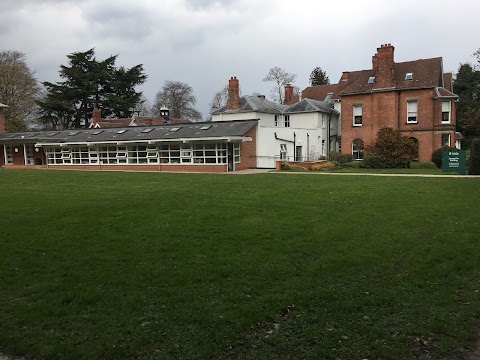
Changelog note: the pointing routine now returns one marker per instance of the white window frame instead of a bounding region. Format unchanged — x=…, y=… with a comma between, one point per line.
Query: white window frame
x=286, y=121
x=446, y=109
x=411, y=113
x=357, y=113
x=357, y=154
x=276, y=120
x=283, y=151
x=449, y=139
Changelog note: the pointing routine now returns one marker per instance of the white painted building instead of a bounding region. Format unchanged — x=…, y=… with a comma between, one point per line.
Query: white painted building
x=304, y=131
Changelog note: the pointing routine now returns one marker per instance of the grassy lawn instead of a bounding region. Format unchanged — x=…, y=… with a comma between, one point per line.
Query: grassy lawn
x=393, y=171
x=105, y=265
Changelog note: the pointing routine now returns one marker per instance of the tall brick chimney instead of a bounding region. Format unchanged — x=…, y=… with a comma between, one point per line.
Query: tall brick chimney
x=2, y=118
x=385, y=66
x=97, y=116
x=233, y=101
x=375, y=61
x=288, y=94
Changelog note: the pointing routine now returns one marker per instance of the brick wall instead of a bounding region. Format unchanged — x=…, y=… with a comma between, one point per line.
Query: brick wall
x=248, y=151
x=389, y=109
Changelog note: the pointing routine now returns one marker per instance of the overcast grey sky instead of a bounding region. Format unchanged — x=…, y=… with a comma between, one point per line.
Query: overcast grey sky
x=204, y=42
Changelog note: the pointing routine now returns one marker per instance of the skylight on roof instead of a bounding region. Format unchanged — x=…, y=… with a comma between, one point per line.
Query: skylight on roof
x=54, y=133
x=147, y=130
x=409, y=76
x=120, y=131
x=371, y=79
x=205, y=127
x=175, y=129
x=73, y=133
x=96, y=132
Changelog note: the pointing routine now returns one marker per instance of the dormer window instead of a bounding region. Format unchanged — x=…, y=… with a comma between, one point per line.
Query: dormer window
x=409, y=76
x=371, y=79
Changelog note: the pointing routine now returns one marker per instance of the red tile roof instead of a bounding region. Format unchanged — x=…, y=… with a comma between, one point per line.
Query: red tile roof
x=427, y=73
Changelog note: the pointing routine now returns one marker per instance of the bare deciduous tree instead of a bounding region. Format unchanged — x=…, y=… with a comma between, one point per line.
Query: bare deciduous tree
x=18, y=89
x=281, y=78
x=179, y=99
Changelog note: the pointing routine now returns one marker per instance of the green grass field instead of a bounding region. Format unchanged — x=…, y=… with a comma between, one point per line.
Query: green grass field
x=110, y=265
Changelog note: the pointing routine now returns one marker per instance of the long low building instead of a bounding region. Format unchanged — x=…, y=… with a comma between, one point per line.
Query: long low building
x=206, y=147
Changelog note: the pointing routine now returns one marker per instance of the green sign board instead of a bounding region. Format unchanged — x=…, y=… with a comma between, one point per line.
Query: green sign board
x=454, y=161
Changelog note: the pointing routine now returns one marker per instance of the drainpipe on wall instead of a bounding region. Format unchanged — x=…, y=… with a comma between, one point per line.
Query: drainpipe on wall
x=308, y=147
x=294, y=147
x=328, y=134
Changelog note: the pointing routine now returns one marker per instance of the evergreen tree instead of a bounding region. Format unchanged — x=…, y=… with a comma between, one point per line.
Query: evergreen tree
x=318, y=77
x=89, y=83
x=467, y=87
x=474, y=165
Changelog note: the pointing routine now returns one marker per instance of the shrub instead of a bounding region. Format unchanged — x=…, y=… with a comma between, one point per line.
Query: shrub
x=374, y=162
x=437, y=155
x=345, y=158
x=286, y=166
x=422, y=165
x=323, y=166
x=396, y=149
x=340, y=158
x=382, y=162
x=354, y=164
x=333, y=156
x=474, y=163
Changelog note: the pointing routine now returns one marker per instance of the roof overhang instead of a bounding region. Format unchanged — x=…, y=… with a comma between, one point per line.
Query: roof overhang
x=151, y=141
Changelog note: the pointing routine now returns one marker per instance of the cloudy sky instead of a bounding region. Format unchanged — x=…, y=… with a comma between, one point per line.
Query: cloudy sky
x=204, y=42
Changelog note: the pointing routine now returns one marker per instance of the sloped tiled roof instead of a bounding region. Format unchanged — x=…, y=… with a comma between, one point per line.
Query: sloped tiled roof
x=254, y=103
x=308, y=105
x=427, y=73
x=320, y=92
x=181, y=131
x=442, y=92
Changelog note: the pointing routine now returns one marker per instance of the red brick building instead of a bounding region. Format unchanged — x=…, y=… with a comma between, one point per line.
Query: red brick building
x=415, y=97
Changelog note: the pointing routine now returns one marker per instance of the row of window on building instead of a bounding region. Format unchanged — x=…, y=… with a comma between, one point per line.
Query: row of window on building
x=209, y=153
x=412, y=113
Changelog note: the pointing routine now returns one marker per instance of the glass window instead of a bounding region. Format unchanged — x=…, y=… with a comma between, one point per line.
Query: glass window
x=446, y=106
x=357, y=149
x=445, y=139
x=412, y=111
x=287, y=120
x=357, y=115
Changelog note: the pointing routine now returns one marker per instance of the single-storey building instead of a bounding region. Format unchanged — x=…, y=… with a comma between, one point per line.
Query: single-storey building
x=205, y=147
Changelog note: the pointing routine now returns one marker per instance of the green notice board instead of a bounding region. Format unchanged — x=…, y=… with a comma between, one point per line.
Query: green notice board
x=454, y=161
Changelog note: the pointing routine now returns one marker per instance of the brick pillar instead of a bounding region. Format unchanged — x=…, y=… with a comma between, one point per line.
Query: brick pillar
x=233, y=101
x=288, y=94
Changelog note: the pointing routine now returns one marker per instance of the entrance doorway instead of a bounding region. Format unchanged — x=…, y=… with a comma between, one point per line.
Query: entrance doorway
x=298, y=154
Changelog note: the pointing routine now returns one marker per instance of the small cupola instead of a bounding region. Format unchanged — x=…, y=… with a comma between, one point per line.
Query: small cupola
x=165, y=113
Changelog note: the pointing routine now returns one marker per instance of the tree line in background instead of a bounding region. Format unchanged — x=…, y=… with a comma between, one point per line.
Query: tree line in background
x=87, y=82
